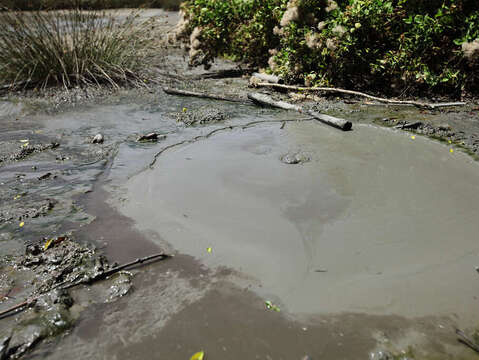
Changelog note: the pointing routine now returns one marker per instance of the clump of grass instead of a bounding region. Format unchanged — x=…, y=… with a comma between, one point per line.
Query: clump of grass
x=71, y=48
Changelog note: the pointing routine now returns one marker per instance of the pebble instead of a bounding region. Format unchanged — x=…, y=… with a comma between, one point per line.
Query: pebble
x=98, y=139
x=151, y=137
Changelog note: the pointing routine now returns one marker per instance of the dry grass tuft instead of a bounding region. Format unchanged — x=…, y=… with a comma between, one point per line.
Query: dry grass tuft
x=74, y=47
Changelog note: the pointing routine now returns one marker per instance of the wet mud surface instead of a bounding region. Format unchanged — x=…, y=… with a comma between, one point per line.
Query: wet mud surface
x=364, y=241
x=355, y=229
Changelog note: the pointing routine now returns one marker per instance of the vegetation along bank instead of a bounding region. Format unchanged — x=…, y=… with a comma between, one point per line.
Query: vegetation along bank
x=396, y=47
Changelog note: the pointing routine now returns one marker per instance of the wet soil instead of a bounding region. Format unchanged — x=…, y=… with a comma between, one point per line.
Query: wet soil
x=367, y=246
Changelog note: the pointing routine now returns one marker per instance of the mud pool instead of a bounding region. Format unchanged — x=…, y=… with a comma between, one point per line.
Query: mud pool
x=376, y=222
x=367, y=243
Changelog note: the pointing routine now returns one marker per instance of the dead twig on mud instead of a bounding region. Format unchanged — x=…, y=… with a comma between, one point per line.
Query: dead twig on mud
x=467, y=341
x=100, y=276
x=264, y=99
x=171, y=91
x=231, y=127
x=361, y=94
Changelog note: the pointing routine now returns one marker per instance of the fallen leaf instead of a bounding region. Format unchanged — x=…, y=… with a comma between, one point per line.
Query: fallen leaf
x=413, y=137
x=16, y=197
x=198, y=356
x=21, y=224
x=209, y=250
x=47, y=244
x=450, y=142
x=24, y=140
x=185, y=109
x=25, y=145
x=271, y=306
x=451, y=150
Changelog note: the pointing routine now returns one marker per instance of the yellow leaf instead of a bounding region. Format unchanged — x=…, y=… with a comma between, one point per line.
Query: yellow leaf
x=185, y=109
x=413, y=137
x=21, y=224
x=47, y=244
x=209, y=250
x=450, y=142
x=451, y=150
x=198, y=356
x=24, y=140
x=25, y=145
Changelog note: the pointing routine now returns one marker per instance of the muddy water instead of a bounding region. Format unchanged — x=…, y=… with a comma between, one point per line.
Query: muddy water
x=376, y=222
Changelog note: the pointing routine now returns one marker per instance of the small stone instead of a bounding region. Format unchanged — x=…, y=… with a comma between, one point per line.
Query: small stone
x=151, y=137
x=45, y=176
x=33, y=249
x=4, y=346
x=98, y=139
x=295, y=158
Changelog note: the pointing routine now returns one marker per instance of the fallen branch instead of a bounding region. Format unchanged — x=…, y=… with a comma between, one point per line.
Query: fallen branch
x=358, y=93
x=264, y=99
x=100, y=276
x=467, y=341
x=413, y=125
x=171, y=91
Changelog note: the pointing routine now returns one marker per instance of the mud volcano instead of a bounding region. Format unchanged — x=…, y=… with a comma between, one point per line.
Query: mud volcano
x=376, y=221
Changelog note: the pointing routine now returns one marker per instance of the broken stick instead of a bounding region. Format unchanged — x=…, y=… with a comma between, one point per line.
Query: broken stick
x=358, y=93
x=264, y=99
x=100, y=276
x=467, y=341
x=171, y=91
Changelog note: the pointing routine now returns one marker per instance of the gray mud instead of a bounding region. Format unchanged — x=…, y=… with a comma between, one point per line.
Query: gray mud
x=376, y=222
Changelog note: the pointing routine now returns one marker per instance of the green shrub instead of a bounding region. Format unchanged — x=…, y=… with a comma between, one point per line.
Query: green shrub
x=238, y=29
x=395, y=46
x=71, y=48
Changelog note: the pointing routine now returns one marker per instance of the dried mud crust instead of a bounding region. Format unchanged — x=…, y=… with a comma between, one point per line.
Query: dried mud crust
x=469, y=142
x=41, y=272
x=201, y=116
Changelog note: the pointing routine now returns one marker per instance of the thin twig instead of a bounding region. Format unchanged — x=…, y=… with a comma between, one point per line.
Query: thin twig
x=231, y=127
x=100, y=276
x=467, y=341
x=171, y=91
x=358, y=93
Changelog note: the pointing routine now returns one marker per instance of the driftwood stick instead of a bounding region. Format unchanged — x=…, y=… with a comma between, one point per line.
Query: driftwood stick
x=467, y=341
x=332, y=121
x=112, y=271
x=268, y=78
x=358, y=93
x=264, y=99
x=171, y=91
x=100, y=276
